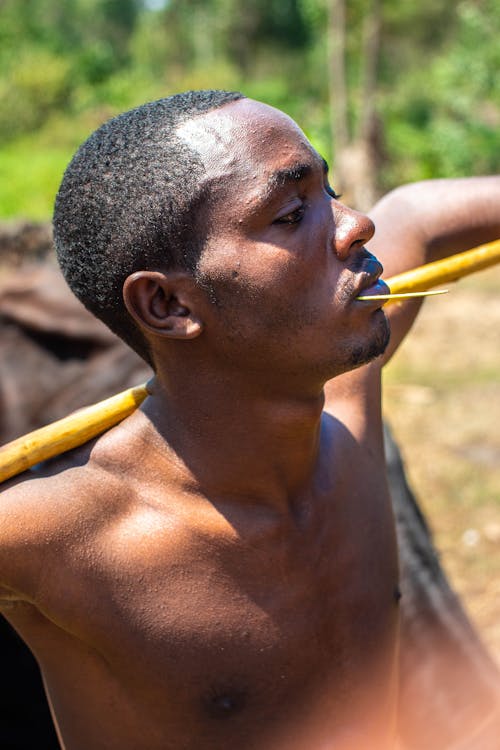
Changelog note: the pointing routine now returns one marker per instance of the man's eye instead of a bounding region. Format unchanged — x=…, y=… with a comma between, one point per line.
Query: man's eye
x=291, y=218
x=332, y=192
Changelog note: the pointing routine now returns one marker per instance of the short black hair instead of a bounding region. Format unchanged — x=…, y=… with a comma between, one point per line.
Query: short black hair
x=131, y=199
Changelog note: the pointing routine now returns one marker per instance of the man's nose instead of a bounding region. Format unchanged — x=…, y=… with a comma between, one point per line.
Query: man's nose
x=352, y=230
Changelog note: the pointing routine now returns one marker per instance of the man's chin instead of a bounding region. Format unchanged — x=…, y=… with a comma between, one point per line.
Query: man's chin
x=374, y=347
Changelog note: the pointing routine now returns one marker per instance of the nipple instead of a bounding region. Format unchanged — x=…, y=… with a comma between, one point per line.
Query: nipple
x=223, y=705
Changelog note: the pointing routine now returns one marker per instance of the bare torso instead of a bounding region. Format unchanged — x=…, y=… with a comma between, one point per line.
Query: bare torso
x=262, y=615
x=176, y=621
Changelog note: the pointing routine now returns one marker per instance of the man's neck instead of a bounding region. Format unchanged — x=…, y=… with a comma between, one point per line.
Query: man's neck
x=231, y=442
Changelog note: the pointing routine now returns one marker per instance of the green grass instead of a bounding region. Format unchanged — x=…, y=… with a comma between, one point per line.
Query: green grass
x=29, y=178
x=32, y=165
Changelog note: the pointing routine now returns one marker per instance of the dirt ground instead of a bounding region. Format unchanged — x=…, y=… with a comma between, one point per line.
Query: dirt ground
x=442, y=399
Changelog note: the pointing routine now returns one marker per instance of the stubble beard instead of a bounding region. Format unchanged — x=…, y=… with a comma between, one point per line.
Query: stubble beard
x=366, y=352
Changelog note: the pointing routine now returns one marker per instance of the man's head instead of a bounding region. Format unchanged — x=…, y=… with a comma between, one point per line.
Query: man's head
x=224, y=224
x=132, y=198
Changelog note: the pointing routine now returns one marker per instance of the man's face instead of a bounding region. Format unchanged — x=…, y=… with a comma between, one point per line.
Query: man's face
x=284, y=260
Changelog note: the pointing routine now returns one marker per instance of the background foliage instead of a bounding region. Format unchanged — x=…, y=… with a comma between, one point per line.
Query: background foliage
x=68, y=66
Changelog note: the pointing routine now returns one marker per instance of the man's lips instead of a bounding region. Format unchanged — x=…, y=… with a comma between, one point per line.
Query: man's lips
x=367, y=270
x=376, y=287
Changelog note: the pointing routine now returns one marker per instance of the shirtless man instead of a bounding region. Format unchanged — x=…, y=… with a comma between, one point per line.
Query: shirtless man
x=220, y=570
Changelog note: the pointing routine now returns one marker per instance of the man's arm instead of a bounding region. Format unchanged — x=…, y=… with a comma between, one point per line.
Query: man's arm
x=415, y=224
x=22, y=529
x=427, y=221
x=37, y=515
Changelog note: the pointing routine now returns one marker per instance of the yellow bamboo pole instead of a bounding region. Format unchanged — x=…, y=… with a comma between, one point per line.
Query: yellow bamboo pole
x=69, y=432
x=78, y=428
x=447, y=270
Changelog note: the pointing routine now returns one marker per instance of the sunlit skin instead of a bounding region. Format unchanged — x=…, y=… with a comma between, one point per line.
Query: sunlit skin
x=220, y=569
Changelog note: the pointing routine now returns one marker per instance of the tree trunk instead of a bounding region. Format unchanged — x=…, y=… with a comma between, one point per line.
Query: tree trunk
x=355, y=155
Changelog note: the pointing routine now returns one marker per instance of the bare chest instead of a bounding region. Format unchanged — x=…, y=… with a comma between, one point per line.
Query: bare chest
x=247, y=620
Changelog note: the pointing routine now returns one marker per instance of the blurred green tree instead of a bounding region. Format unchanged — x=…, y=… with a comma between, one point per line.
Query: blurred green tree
x=392, y=91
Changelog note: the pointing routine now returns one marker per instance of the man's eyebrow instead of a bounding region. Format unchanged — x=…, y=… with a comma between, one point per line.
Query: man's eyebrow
x=293, y=173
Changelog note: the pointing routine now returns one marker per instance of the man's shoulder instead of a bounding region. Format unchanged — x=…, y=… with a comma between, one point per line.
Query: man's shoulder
x=47, y=510
x=98, y=460
x=46, y=498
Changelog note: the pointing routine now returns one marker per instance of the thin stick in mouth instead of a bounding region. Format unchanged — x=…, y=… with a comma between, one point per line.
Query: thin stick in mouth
x=405, y=295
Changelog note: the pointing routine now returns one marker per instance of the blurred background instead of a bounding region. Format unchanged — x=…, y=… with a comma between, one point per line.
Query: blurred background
x=389, y=92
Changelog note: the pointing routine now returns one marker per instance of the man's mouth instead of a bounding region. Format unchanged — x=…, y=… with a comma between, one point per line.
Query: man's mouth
x=372, y=288
x=367, y=271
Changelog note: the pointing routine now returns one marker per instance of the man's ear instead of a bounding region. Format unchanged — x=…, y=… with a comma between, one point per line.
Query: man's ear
x=163, y=303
